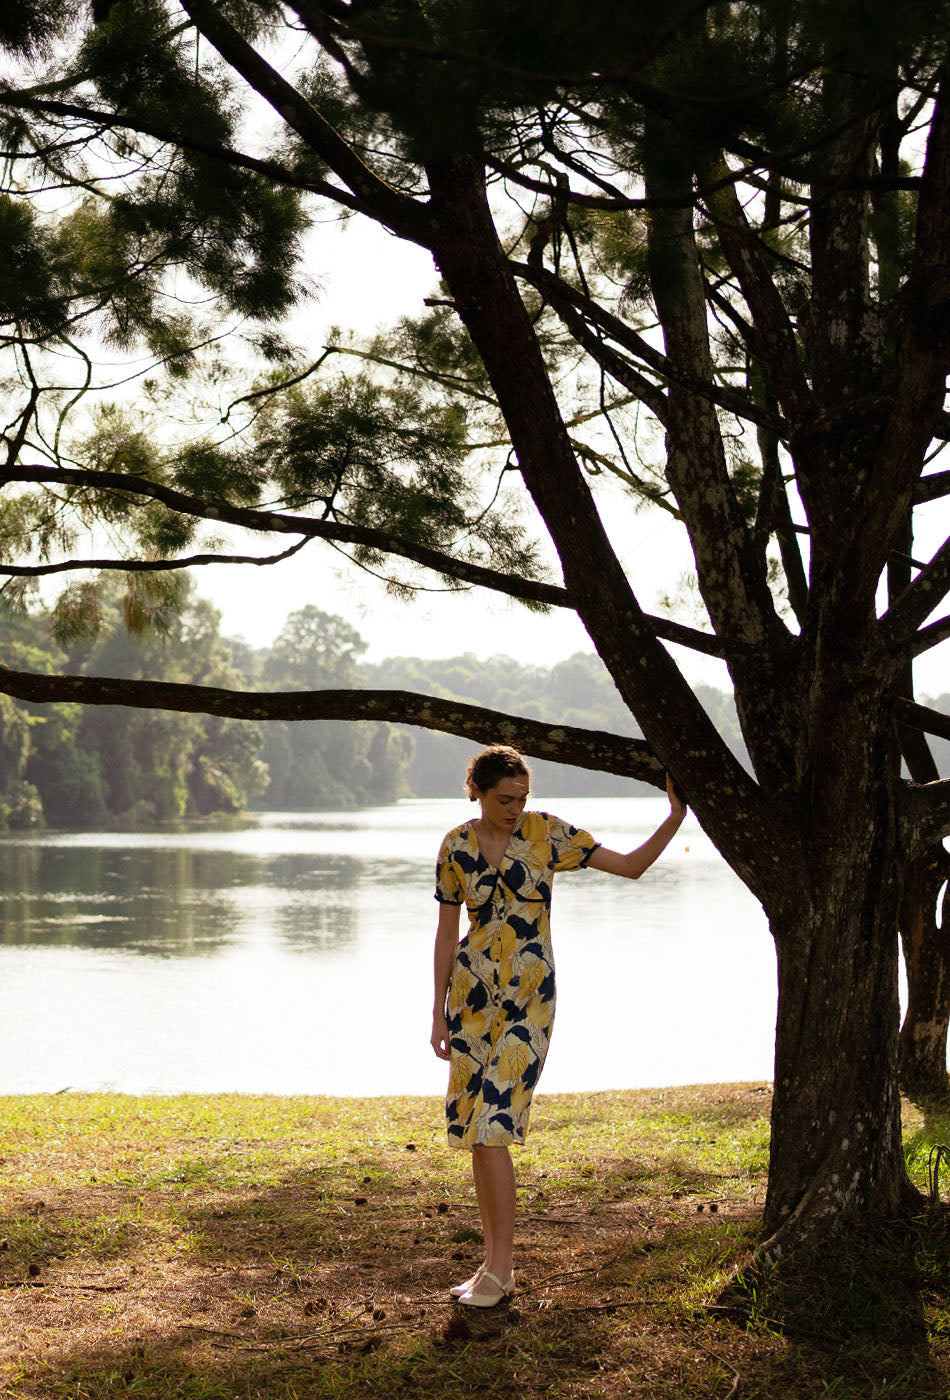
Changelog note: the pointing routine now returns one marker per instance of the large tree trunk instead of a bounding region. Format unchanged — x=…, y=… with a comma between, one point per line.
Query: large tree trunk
x=925, y=936
x=836, y=1152
x=836, y=1128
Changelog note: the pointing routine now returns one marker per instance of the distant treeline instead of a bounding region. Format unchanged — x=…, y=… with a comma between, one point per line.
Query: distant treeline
x=74, y=766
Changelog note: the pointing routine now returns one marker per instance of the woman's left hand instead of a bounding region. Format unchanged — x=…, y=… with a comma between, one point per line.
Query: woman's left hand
x=677, y=805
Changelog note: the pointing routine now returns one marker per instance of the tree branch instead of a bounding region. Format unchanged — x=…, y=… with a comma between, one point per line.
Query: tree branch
x=270, y=169
x=773, y=337
x=561, y=294
x=609, y=203
x=928, y=637
x=923, y=359
x=925, y=815
x=731, y=578
x=900, y=623
x=922, y=717
x=587, y=748
x=615, y=365
x=477, y=575
x=479, y=277
x=145, y=566
x=932, y=488
x=400, y=212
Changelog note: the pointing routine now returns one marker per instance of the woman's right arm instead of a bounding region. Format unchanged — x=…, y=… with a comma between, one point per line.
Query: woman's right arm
x=446, y=942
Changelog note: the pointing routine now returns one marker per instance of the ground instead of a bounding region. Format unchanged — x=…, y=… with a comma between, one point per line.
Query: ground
x=222, y=1247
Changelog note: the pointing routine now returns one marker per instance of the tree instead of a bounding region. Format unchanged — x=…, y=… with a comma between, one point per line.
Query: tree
x=326, y=765
x=732, y=220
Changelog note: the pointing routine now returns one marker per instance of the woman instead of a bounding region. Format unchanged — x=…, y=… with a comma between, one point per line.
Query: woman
x=494, y=990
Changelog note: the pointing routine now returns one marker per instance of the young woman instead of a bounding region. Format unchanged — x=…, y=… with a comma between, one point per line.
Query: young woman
x=494, y=989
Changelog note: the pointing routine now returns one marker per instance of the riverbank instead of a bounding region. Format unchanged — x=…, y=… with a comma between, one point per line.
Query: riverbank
x=229, y=1247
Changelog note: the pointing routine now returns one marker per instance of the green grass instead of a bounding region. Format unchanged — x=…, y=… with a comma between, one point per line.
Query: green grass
x=239, y=1247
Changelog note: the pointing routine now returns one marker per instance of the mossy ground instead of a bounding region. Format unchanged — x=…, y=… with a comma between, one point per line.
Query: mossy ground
x=211, y=1248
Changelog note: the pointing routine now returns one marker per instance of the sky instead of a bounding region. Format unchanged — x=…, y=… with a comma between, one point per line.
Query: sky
x=368, y=278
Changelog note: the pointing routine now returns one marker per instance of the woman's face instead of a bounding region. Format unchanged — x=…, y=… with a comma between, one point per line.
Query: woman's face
x=503, y=804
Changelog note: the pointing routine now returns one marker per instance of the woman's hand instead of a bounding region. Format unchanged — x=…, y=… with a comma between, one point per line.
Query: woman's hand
x=677, y=805
x=439, y=1040
x=632, y=865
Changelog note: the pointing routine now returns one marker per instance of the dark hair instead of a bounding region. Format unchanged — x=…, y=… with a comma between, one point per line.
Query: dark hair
x=494, y=763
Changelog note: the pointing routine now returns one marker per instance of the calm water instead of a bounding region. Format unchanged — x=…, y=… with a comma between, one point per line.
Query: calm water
x=295, y=957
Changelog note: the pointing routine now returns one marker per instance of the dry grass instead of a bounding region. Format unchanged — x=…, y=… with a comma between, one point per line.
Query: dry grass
x=300, y=1249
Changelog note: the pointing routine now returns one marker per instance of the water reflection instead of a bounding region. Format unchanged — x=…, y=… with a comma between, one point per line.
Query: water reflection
x=280, y=956
x=172, y=901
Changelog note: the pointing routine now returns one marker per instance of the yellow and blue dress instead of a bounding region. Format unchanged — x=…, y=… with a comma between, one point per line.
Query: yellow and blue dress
x=501, y=994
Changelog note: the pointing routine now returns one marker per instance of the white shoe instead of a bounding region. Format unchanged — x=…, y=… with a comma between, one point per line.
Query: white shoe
x=458, y=1289
x=487, y=1291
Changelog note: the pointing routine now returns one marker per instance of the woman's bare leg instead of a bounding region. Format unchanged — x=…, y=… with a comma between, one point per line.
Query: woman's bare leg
x=495, y=1188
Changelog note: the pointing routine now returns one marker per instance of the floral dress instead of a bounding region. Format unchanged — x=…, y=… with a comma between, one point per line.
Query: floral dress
x=501, y=994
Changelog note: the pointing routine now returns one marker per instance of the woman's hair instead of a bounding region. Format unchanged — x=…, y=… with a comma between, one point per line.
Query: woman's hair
x=487, y=768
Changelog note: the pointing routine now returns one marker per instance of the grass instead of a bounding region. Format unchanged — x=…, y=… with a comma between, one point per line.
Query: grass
x=232, y=1247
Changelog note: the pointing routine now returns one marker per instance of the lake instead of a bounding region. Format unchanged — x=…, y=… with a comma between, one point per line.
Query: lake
x=294, y=955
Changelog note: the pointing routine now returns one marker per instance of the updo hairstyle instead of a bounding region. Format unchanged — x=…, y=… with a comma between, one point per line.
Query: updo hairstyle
x=487, y=769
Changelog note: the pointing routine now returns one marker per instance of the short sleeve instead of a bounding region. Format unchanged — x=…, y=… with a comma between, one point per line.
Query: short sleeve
x=571, y=848
x=449, y=888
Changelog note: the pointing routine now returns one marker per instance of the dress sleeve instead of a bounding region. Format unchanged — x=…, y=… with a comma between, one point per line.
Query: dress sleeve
x=449, y=886
x=571, y=848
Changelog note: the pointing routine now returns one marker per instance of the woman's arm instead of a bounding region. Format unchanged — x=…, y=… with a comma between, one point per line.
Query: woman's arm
x=632, y=865
x=446, y=941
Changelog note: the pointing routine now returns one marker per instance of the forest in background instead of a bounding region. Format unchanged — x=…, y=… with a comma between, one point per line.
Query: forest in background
x=68, y=766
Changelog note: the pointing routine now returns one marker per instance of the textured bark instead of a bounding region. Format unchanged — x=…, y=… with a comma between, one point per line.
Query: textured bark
x=925, y=938
x=836, y=1150
x=587, y=748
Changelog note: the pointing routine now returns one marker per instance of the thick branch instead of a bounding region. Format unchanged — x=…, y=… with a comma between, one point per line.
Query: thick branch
x=773, y=335
x=561, y=294
x=476, y=575
x=619, y=369
x=928, y=637
x=186, y=141
x=900, y=623
x=932, y=488
x=380, y=201
x=922, y=717
x=923, y=359
x=586, y=748
x=925, y=815
x=731, y=577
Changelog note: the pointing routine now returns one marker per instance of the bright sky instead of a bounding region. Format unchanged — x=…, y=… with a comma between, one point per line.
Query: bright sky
x=369, y=279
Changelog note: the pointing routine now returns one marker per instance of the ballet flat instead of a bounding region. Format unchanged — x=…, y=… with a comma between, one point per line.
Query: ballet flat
x=478, y=1297
x=458, y=1289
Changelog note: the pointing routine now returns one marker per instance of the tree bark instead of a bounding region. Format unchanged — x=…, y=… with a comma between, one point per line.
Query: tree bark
x=925, y=939
x=836, y=1151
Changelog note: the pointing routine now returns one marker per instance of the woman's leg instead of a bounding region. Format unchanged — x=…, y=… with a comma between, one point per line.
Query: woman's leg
x=495, y=1188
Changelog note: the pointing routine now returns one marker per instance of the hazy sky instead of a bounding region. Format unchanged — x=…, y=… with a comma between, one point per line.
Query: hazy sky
x=368, y=279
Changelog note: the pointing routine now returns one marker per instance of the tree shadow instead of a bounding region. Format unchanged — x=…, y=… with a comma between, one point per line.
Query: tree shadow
x=290, y=1288
x=862, y=1311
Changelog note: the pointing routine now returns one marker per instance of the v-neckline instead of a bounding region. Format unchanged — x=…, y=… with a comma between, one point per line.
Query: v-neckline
x=478, y=845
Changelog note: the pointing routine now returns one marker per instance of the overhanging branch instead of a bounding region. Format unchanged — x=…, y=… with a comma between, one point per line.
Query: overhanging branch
x=400, y=212
x=101, y=119
x=262, y=521
x=144, y=566
x=586, y=748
